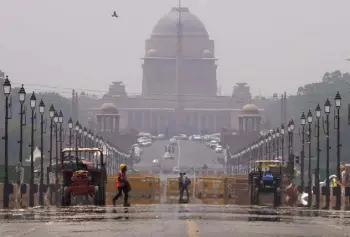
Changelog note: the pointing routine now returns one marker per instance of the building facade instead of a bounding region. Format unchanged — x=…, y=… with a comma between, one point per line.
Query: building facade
x=179, y=83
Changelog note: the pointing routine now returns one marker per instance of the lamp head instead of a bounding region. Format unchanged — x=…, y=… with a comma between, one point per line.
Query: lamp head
x=282, y=129
x=337, y=99
x=318, y=110
x=22, y=95
x=55, y=117
x=51, y=111
x=77, y=126
x=32, y=100
x=41, y=107
x=303, y=119
x=7, y=87
x=60, y=117
x=70, y=123
x=327, y=106
x=309, y=117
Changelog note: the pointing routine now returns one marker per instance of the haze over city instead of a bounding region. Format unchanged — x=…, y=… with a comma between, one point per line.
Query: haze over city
x=77, y=44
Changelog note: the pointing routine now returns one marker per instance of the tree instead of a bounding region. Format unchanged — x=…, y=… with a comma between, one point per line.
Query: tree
x=60, y=103
x=307, y=98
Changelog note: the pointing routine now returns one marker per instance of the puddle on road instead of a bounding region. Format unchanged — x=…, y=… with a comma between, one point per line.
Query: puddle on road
x=167, y=212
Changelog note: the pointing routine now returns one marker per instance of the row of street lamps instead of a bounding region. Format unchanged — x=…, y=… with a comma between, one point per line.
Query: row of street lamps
x=255, y=150
x=83, y=138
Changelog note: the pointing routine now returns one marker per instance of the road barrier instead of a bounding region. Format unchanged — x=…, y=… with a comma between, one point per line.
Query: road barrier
x=172, y=190
x=145, y=189
x=222, y=189
x=210, y=187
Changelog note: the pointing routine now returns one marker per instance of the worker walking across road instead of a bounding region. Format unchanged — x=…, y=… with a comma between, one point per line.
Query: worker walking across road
x=122, y=185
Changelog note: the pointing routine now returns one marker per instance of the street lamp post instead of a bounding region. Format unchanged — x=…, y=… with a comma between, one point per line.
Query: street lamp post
x=270, y=139
x=266, y=147
x=85, y=132
x=21, y=98
x=278, y=142
x=77, y=126
x=273, y=144
x=60, y=121
x=291, y=155
x=55, y=120
x=337, y=126
x=6, y=193
x=282, y=142
x=41, y=187
x=327, y=110
x=302, y=163
x=31, y=186
x=309, y=199
x=70, y=127
x=80, y=136
x=89, y=143
x=317, y=173
x=51, y=115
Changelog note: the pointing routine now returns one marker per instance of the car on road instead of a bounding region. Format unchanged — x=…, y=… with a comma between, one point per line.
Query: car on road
x=155, y=163
x=213, y=144
x=144, y=141
x=219, y=149
x=168, y=156
x=195, y=138
x=176, y=170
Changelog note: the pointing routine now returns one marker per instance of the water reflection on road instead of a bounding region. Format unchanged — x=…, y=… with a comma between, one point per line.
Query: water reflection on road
x=177, y=218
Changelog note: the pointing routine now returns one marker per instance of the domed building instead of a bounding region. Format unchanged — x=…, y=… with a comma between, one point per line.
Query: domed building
x=179, y=84
x=179, y=53
x=249, y=120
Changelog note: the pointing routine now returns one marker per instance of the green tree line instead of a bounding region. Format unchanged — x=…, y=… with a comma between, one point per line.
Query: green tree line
x=59, y=102
x=307, y=97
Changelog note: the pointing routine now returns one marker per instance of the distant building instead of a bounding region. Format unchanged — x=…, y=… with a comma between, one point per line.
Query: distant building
x=179, y=83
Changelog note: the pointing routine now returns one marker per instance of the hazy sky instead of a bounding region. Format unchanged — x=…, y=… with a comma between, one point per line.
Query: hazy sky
x=274, y=45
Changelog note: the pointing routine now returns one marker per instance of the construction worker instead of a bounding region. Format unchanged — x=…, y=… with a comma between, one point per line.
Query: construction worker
x=291, y=194
x=122, y=185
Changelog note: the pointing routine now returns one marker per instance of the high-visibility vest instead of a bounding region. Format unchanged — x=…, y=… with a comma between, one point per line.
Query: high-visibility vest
x=333, y=183
x=123, y=177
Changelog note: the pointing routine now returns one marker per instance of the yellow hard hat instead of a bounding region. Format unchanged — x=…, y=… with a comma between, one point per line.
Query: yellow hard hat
x=122, y=166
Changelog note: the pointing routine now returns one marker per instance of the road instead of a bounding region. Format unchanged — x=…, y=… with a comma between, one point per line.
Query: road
x=160, y=221
x=193, y=154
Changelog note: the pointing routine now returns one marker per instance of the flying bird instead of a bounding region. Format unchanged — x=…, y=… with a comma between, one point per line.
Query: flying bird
x=115, y=14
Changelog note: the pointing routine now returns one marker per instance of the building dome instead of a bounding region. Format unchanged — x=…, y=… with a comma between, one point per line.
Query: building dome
x=250, y=109
x=190, y=24
x=109, y=108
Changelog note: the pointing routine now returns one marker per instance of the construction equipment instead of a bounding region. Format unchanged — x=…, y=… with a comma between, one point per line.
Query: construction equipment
x=266, y=177
x=81, y=177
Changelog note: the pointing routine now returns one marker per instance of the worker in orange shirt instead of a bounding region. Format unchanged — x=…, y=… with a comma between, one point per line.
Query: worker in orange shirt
x=122, y=185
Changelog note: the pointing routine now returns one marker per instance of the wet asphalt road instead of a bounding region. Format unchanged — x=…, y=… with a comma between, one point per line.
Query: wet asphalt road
x=166, y=220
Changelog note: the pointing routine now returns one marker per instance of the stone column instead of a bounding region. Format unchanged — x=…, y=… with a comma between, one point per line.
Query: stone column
x=199, y=123
x=158, y=124
x=215, y=123
x=206, y=121
x=102, y=123
x=240, y=127
x=142, y=121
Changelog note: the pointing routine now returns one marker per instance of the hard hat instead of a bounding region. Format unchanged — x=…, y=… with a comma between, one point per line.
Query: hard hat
x=122, y=166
